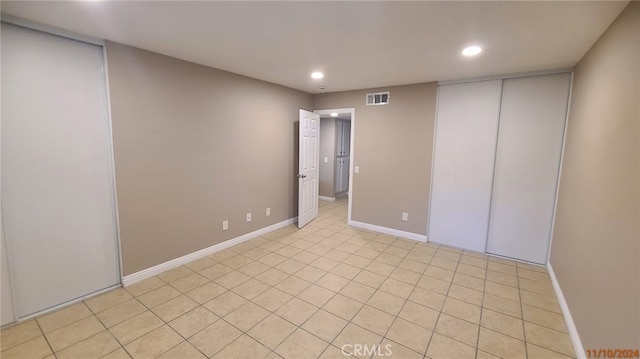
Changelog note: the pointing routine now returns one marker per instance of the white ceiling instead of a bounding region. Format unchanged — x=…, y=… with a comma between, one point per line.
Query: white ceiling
x=356, y=44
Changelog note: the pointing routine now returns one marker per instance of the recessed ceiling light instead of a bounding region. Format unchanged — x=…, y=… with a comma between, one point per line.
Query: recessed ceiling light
x=472, y=51
x=317, y=75
x=334, y=114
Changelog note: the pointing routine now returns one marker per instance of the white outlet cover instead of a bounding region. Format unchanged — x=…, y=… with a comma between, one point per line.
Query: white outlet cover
x=356, y=169
x=248, y=217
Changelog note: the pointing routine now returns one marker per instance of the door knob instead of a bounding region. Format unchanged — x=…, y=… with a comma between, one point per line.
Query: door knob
x=302, y=176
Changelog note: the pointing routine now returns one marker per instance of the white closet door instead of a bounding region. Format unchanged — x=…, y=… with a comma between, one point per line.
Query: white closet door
x=465, y=142
x=345, y=175
x=346, y=137
x=532, y=122
x=57, y=190
x=339, y=137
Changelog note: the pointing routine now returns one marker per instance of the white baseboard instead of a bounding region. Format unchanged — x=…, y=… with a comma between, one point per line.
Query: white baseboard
x=328, y=199
x=390, y=231
x=568, y=319
x=155, y=270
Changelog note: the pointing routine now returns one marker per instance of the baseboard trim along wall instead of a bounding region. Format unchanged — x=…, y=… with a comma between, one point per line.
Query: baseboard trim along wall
x=568, y=319
x=389, y=231
x=163, y=267
x=325, y=198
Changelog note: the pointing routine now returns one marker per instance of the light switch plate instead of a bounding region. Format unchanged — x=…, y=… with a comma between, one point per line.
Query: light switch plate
x=326, y=160
x=356, y=169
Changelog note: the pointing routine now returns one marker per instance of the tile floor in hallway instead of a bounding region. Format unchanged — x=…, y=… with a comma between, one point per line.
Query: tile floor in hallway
x=314, y=293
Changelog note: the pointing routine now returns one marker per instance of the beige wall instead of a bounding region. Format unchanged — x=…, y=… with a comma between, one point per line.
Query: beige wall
x=327, y=149
x=195, y=146
x=393, y=145
x=595, y=248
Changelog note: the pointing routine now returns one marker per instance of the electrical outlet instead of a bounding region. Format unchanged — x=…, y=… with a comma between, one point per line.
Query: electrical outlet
x=268, y=211
x=249, y=217
x=405, y=216
x=225, y=225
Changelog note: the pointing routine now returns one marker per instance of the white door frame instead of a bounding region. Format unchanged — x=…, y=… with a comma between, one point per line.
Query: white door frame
x=352, y=111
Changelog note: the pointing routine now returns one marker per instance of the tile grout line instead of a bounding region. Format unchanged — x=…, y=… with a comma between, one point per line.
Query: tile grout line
x=405, y=303
x=440, y=312
x=336, y=293
x=273, y=312
x=319, y=308
x=524, y=330
x=44, y=336
x=364, y=304
x=484, y=288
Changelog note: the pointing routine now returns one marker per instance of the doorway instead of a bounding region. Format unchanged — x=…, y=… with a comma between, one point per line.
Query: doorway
x=337, y=132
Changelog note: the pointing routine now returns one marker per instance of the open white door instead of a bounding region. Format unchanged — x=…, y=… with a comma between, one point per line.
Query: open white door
x=308, y=167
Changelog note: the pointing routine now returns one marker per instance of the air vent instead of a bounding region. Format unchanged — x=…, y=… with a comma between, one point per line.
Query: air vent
x=378, y=98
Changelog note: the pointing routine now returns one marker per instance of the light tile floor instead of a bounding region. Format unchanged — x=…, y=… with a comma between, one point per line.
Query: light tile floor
x=314, y=293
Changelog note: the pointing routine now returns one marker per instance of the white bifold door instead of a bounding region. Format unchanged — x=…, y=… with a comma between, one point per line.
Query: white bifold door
x=465, y=146
x=532, y=122
x=58, y=203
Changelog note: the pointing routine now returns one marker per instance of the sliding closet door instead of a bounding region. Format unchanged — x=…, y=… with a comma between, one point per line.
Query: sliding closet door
x=465, y=143
x=532, y=122
x=57, y=191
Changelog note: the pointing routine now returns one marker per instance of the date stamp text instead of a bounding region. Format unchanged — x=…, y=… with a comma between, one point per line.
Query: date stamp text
x=613, y=353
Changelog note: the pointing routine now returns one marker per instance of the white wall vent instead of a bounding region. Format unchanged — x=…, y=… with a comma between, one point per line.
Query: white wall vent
x=378, y=98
